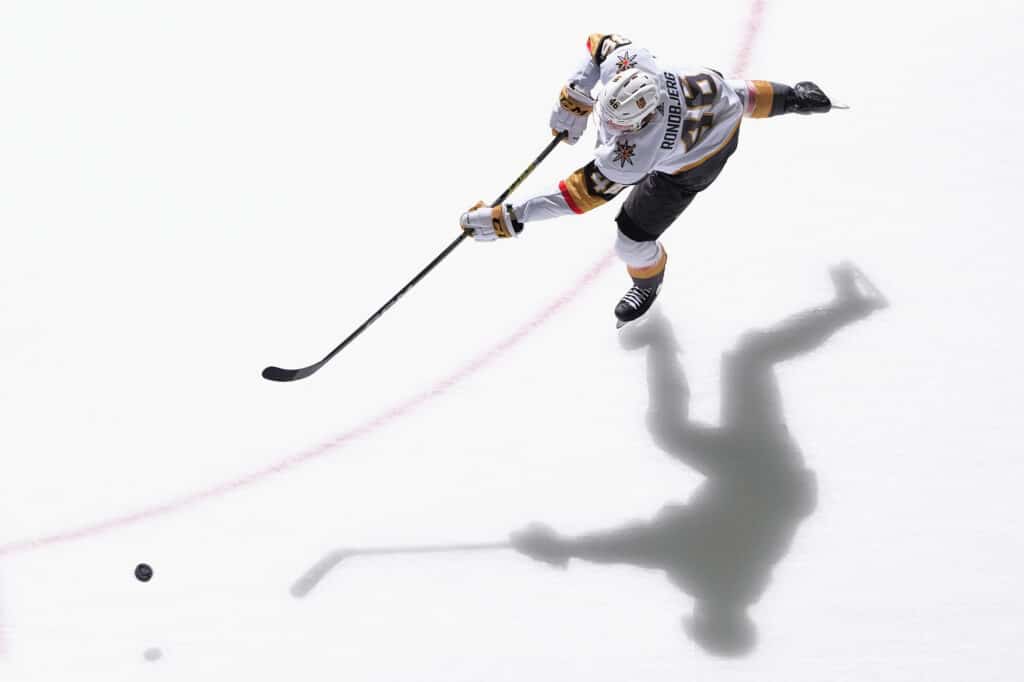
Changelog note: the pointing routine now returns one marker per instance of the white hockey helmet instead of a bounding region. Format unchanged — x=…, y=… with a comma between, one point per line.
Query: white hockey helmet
x=628, y=100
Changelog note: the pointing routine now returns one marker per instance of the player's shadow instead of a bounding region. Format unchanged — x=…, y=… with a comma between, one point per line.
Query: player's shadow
x=721, y=546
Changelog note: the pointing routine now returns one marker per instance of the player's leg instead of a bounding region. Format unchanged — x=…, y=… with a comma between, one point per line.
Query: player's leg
x=651, y=207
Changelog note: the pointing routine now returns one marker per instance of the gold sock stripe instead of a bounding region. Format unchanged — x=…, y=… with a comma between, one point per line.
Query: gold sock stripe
x=763, y=96
x=651, y=270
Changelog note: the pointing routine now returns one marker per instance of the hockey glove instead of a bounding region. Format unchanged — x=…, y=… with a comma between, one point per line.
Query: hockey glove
x=487, y=224
x=571, y=113
x=807, y=98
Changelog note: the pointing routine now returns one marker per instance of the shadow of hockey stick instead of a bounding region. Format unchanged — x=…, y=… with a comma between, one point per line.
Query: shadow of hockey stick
x=312, y=577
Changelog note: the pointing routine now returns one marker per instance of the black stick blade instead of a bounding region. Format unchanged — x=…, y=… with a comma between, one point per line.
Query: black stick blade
x=279, y=374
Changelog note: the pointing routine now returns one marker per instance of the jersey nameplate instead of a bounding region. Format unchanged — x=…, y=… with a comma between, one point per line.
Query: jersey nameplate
x=675, y=112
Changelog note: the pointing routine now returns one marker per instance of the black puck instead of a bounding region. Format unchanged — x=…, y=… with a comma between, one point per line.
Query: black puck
x=143, y=572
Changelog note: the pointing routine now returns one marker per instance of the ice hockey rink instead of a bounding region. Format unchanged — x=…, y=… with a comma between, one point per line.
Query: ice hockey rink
x=192, y=191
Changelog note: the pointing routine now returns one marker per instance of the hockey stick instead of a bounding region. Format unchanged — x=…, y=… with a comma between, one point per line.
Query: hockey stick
x=279, y=374
x=316, y=573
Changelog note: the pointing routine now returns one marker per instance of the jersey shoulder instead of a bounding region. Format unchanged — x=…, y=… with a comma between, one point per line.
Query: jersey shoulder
x=613, y=54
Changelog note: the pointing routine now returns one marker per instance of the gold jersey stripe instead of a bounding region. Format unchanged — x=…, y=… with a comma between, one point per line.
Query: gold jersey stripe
x=763, y=96
x=651, y=270
x=719, y=148
x=578, y=197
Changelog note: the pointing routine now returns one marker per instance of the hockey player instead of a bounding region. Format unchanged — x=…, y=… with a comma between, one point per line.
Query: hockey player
x=665, y=131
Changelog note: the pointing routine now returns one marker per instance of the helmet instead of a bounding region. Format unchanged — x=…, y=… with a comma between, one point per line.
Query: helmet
x=628, y=99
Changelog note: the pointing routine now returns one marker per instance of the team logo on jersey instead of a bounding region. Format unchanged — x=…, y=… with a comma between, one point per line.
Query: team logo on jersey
x=625, y=61
x=624, y=151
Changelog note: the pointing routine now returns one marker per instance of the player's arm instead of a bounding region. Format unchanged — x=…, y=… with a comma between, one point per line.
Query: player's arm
x=599, y=47
x=762, y=99
x=575, y=101
x=584, y=190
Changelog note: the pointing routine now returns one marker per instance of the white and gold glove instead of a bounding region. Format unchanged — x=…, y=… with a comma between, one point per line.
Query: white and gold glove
x=487, y=224
x=571, y=113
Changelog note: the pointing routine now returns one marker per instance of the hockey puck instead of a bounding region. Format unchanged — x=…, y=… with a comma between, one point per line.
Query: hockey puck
x=143, y=572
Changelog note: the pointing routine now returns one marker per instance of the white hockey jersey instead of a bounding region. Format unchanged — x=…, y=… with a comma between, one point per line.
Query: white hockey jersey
x=700, y=113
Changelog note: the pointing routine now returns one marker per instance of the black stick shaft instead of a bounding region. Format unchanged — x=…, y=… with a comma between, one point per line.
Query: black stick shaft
x=529, y=169
x=279, y=374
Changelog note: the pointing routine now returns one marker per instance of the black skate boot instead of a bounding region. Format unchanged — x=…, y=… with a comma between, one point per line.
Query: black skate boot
x=807, y=98
x=635, y=303
x=646, y=285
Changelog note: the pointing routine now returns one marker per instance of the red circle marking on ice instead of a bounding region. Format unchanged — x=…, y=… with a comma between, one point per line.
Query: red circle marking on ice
x=363, y=429
x=753, y=27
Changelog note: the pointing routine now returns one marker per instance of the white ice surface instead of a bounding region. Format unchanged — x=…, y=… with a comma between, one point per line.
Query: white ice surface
x=190, y=191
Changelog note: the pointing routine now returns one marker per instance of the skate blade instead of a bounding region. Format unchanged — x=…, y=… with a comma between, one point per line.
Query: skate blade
x=619, y=324
x=840, y=106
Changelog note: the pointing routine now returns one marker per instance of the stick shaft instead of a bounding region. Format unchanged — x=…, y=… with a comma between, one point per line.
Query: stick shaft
x=278, y=374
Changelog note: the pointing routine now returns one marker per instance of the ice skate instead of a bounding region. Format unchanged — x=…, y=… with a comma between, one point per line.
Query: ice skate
x=632, y=306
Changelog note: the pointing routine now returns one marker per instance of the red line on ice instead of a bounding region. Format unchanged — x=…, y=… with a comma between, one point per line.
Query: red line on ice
x=753, y=27
x=363, y=429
